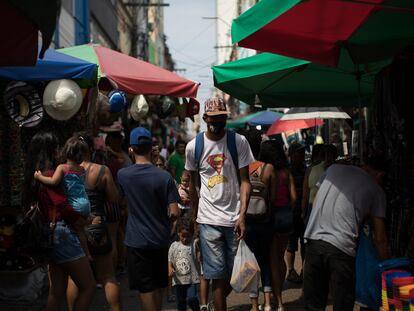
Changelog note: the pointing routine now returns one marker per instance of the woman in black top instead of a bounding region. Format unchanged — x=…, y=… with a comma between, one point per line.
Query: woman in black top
x=100, y=187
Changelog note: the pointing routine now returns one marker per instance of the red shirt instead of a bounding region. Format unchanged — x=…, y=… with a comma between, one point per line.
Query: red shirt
x=54, y=196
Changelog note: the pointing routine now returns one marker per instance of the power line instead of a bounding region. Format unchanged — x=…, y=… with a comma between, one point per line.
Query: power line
x=189, y=56
x=196, y=36
x=199, y=63
x=197, y=70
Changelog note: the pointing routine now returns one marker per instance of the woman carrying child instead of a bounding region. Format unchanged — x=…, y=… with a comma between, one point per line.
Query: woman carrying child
x=68, y=257
x=72, y=177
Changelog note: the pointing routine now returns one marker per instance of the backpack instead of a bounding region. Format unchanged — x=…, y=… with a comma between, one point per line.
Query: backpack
x=258, y=208
x=231, y=145
x=34, y=234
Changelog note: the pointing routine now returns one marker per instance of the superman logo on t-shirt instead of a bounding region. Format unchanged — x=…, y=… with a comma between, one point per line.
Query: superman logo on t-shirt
x=216, y=161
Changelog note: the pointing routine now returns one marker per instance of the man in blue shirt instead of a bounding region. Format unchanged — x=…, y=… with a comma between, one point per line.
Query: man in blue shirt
x=152, y=206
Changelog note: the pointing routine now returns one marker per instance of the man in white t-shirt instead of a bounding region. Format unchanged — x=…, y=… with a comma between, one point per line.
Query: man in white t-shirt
x=221, y=205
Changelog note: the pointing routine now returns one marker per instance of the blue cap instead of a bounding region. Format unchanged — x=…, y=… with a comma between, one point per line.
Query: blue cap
x=117, y=101
x=140, y=136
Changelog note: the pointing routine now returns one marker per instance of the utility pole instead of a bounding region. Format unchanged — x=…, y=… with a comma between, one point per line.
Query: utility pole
x=139, y=36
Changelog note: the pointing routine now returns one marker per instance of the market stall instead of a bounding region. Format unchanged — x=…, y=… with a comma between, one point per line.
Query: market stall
x=62, y=94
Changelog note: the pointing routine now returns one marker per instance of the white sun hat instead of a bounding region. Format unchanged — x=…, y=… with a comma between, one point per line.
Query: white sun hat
x=62, y=99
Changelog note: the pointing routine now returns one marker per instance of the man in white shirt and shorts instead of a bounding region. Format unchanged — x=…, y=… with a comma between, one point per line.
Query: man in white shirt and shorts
x=220, y=208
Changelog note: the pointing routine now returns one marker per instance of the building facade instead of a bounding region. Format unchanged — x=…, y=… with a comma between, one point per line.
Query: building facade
x=134, y=27
x=226, y=11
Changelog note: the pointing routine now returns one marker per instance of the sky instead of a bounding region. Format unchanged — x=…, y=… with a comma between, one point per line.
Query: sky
x=191, y=40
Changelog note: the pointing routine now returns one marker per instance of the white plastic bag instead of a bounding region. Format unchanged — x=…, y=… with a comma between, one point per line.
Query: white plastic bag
x=246, y=272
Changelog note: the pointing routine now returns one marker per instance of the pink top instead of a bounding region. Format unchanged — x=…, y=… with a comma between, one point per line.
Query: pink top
x=282, y=189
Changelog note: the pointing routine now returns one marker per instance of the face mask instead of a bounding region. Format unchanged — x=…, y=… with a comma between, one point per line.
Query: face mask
x=216, y=127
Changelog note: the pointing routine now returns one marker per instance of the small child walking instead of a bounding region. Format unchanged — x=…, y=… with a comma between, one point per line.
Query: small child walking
x=72, y=177
x=182, y=266
x=184, y=192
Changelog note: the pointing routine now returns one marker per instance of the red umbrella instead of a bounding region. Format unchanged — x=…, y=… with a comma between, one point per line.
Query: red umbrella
x=132, y=75
x=281, y=126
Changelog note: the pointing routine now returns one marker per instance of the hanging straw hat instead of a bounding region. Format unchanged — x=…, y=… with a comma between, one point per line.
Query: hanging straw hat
x=139, y=108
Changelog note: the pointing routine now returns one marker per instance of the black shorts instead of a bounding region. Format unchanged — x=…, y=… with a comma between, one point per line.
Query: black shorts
x=282, y=217
x=147, y=269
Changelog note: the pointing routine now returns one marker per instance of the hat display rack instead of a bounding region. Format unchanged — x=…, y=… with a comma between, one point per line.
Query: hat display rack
x=61, y=106
x=62, y=99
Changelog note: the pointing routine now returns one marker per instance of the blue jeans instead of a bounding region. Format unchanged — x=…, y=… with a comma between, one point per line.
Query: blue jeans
x=218, y=249
x=187, y=294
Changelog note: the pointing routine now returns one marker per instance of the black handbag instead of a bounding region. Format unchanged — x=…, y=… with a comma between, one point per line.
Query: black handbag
x=34, y=234
x=99, y=240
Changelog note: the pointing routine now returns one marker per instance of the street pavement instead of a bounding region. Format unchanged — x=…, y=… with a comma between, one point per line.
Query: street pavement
x=236, y=302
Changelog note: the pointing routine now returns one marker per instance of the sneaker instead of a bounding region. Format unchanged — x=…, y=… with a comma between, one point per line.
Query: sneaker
x=203, y=308
x=267, y=308
x=293, y=277
x=210, y=306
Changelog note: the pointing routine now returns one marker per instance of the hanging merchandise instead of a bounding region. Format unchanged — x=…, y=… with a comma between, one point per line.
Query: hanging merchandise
x=165, y=107
x=105, y=116
x=23, y=104
x=193, y=108
x=117, y=101
x=139, y=108
x=62, y=99
x=181, y=109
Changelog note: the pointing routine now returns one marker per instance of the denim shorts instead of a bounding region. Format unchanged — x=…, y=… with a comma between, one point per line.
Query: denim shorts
x=66, y=245
x=218, y=249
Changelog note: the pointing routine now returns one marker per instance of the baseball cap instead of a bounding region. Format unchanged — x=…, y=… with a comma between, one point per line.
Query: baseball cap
x=294, y=147
x=140, y=136
x=215, y=106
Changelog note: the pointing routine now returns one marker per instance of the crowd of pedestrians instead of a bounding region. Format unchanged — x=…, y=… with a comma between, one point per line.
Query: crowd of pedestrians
x=174, y=220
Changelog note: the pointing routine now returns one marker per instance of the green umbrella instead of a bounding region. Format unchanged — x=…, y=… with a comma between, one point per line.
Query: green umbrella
x=241, y=122
x=281, y=81
x=322, y=31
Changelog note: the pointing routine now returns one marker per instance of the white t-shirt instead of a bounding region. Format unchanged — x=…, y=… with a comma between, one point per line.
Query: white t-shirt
x=183, y=260
x=219, y=202
x=347, y=196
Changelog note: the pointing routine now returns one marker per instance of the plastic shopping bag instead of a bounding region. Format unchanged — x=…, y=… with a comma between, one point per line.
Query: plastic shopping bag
x=246, y=272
